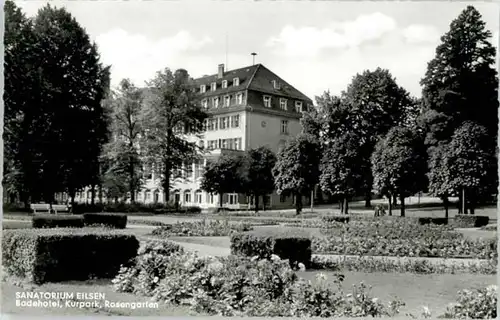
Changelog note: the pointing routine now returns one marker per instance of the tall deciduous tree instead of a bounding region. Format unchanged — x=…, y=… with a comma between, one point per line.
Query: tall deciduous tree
x=224, y=175
x=172, y=117
x=471, y=160
x=297, y=168
x=398, y=164
x=74, y=83
x=460, y=85
x=342, y=169
x=126, y=127
x=258, y=167
x=375, y=103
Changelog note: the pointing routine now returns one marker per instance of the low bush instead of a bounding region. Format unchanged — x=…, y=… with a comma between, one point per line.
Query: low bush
x=263, y=214
x=429, y=220
x=371, y=264
x=53, y=255
x=110, y=220
x=57, y=221
x=202, y=228
x=423, y=247
x=240, y=286
x=330, y=219
x=490, y=227
x=152, y=208
x=474, y=304
x=292, y=245
x=470, y=221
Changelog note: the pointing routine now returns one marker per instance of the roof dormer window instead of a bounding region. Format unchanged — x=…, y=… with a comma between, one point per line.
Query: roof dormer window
x=213, y=86
x=203, y=88
x=298, y=106
x=276, y=85
x=267, y=101
x=236, y=82
x=224, y=84
x=283, y=105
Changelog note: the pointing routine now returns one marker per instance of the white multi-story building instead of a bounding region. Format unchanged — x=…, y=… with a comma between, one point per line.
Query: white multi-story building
x=249, y=107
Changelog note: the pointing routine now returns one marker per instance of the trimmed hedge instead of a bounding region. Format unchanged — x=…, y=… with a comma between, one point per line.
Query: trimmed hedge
x=54, y=255
x=330, y=219
x=158, y=208
x=429, y=220
x=470, y=221
x=110, y=220
x=294, y=246
x=57, y=221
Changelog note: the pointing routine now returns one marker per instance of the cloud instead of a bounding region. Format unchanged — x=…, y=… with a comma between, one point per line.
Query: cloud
x=418, y=33
x=309, y=41
x=138, y=57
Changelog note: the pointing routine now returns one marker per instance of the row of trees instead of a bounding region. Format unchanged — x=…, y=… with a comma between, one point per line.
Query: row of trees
x=376, y=137
x=66, y=130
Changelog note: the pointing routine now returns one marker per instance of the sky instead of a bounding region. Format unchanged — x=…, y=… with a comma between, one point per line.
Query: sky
x=313, y=45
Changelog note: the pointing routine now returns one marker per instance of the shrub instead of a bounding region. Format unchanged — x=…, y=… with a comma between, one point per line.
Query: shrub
x=57, y=221
x=240, y=286
x=110, y=220
x=141, y=275
x=470, y=221
x=54, y=255
x=474, y=304
x=294, y=246
x=203, y=228
x=424, y=247
x=429, y=220
x=371, y=264
x=152, y=208
x=330, y=219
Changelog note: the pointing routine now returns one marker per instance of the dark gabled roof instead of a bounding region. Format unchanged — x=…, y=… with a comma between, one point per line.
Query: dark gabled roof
x=243, y=74
x=255, y=78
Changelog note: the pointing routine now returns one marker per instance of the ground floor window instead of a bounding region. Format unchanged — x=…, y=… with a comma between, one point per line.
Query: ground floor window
x=282, y=198
x=187, y=196
x=233, y=198
x=198, y=197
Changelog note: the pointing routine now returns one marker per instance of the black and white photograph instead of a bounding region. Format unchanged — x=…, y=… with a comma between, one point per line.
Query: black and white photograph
x=271, y=159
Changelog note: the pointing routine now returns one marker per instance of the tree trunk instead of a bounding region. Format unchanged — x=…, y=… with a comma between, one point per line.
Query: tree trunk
x=131, y=172
x=256, y=202
x=221, y=195
x=390, y=198
x=166, y=182
x=459, y=206
x=263, y=203
x=471, y=203
x=368, y=200
x=346, y=206
x=446, y=205
x=92, y=191
x=402, y=200
x=312, y=200
x=395, y=199
x=298, y=203
x=341, y=206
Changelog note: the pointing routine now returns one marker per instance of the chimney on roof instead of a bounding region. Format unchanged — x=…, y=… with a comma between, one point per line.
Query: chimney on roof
x=220, y=74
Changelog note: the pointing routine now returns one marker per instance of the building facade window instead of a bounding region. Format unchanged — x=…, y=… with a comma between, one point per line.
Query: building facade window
x=198, y=196
x=198, y=167
x=148, y=195
x=213, y=86
x=203, y=88
x=205, y=125
x=223, y=123
x=227, y=101
x=236, y=82
x=298, y=106
x=284, y=126
x=267, y=101
x=187, y=196
x=204, y=103
x=235, y=121
x=224, y=84
x=201, y=144
x=224, y=144
x=215, y=102
x=232, y=198
x=237, y=143
x=239, y=98
x=283, y=104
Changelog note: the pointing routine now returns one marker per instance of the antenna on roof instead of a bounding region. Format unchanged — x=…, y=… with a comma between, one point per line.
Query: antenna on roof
x=253, y=57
